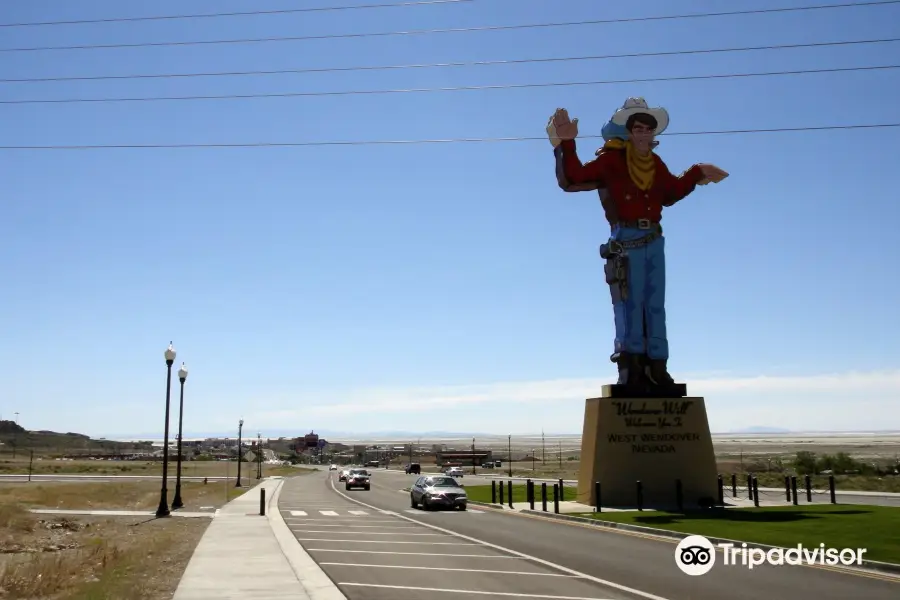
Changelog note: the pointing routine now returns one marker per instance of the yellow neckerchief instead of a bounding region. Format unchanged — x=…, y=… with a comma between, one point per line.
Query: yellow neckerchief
x=642, y=169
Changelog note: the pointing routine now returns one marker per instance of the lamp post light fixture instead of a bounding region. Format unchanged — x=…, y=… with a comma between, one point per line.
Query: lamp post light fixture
x=163, y=509
x=240, y=429
x=182, y=377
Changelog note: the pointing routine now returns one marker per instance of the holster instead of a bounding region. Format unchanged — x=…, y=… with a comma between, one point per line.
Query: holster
x=616, y=272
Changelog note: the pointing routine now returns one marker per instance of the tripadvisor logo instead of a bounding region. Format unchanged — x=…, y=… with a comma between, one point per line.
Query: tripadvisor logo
x=696, y=555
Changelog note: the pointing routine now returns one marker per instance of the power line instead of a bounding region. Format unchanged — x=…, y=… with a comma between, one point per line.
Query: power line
x=430, y=141
x=236, y=14
x=512, y=86
x=453, y=30
x=449, y=64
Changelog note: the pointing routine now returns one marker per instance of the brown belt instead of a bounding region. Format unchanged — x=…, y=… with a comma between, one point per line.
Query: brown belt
x=641, y=224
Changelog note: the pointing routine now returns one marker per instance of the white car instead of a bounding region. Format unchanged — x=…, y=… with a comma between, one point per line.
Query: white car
x=454, y=472
x=332, y=468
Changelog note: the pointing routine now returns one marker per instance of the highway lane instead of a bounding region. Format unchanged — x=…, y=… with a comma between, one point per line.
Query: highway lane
x=632, y=560
x=378, y=555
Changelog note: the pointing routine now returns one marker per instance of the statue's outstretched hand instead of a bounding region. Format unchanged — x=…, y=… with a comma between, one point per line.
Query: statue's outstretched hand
x=560, y=128
x=711, y=173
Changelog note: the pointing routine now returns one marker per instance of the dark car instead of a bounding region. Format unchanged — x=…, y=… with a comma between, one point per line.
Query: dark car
x=358, y=478
x=413, y=469
x=437, y=491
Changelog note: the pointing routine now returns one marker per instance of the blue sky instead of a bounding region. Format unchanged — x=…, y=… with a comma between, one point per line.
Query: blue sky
x=437, y=286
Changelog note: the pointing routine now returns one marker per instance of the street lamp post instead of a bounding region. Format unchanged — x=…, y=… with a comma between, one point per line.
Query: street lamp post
x=473, y=456
x=163, y=509
x=258, y=455
x=240, y=429
x=509, y=454
x=182, y=377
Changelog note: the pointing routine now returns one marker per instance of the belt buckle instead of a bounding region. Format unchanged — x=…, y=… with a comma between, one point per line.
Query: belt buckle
x=644, y=223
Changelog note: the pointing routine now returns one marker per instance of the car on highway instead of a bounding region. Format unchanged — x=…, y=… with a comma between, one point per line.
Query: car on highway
x=342, y=476
x=414, y=468
x=454, y=472
x=437, y=492
x=332, y=468
x=358, y=478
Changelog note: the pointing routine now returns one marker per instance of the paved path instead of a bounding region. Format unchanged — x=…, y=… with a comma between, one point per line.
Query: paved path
x=245, y=556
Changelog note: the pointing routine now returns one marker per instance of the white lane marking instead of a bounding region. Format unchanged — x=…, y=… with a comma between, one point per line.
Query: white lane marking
x=510, y=594
x=375, y=532
x=414, y=553
x=357, y=526
x=332, y=522
x=328, y=513
x=298, y=513
x=336, y=564
x=387, y=512
x=357, y=512
x=384, y=542
x=546, y=563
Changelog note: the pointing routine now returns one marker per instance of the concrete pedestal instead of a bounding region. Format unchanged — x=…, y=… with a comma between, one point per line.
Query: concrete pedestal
x=652, y=440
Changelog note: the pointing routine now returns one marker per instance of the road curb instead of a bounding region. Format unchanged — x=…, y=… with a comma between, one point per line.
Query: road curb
x=872, y=565
x=486, y=505
x=312, y=578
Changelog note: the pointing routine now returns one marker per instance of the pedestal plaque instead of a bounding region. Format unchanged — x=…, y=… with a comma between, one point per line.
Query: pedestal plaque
x=652, y=440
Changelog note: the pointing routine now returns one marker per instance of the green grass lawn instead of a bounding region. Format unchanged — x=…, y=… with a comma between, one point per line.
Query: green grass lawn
x=876, y=528
x=482, y=493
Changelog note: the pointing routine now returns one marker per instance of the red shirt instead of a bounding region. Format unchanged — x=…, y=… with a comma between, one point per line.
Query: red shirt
x=631, y=203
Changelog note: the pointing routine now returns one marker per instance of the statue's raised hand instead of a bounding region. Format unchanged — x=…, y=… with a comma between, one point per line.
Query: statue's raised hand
x=712, y=174
x=560, y=127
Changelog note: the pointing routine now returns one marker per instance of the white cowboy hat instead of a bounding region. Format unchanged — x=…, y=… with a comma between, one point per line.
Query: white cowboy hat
x=634, y=106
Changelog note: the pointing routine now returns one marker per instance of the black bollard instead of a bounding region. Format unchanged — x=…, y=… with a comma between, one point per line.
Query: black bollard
x=733, y=485
x=262, y=502
x=640, y=495
x=530, y=491
x=794, y=488
x=755, y=492
x=509, y=493
x=679, y=495
x=808, y=482
x=555, y=499
x=501, y=493
x=493, y=492
x=544, y=496
x=749, y=486
x=721, y=485
x=787, y=488
x=562, y=490
x=831, y=489
x=597, y=496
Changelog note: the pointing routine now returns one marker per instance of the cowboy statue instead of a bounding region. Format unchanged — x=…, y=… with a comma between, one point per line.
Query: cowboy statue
x=634, y=185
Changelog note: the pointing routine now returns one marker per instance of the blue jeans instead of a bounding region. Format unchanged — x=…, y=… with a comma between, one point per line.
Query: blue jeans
x=641, y=318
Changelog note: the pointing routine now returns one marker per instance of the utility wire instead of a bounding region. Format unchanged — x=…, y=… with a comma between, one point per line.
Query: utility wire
x=447, y=64
x=516, y=86
x=236, y=14
x=456, y=29
x=429, y=141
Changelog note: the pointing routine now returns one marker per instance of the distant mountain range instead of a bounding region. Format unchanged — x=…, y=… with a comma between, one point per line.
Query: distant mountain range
x=406, y=436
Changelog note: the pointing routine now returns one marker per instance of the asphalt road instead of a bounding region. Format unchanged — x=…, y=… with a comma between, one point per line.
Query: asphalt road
x=597, y=564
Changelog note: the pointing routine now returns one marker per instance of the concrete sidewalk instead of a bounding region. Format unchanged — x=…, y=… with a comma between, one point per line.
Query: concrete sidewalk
x=245, y=556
